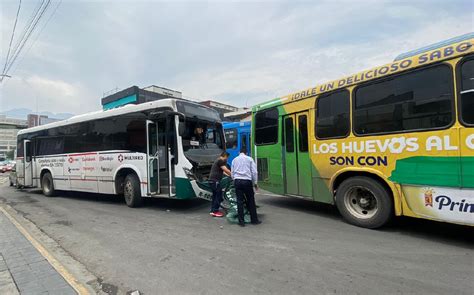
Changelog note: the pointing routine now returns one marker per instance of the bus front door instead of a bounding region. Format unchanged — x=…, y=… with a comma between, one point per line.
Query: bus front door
x=305, y=181
x=27, y=163
x=244, y=143
x=291, y=163
x=298, y=179
x=153, y=158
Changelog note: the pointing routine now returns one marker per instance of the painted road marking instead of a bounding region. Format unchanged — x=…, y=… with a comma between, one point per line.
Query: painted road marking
x=77, y=286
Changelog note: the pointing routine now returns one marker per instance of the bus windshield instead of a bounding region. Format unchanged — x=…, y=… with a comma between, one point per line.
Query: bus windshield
x=196, y=111
x=202, y=127
x=200, y=134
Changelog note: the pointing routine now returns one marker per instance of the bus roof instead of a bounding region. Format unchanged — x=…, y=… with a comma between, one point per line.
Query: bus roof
x=452, y=50
x=130, y=108
x=227, y=125
x=434, y=46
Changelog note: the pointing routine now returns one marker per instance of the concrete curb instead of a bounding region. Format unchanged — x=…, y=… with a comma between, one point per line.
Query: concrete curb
x=75, y=273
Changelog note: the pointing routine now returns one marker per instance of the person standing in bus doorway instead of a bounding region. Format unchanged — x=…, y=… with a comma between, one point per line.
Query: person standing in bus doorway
x=244, y=173
x=217, y=170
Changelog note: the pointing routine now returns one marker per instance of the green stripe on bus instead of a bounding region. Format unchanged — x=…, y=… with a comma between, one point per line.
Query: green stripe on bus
x=435, y=171
x=184, y=190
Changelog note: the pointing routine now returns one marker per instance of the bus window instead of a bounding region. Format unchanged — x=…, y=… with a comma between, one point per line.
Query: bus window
x=243, y=142
x=303, y=133
x=416, y=100
x=289, y=136
x=332, y=115
x=467, y=92
x=266, y=127
x=19, y=149
x=250, y=144
x=231, y=138
x=50, y=146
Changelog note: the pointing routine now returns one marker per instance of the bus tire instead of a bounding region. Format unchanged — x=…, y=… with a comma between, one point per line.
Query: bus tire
x=131, y=191
x=364, y=202
x=47, y=184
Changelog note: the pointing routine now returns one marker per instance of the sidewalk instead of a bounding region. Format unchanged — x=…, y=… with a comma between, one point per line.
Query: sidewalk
x=23, y=270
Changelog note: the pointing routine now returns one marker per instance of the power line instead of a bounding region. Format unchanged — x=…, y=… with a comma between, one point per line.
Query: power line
x=29, y=34
x=28, y=24
x=37, y=37
x=25, y=30
x=11, y=39
x=29, y=30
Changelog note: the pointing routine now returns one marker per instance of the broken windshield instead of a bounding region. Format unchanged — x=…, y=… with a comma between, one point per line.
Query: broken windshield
x=200, y=134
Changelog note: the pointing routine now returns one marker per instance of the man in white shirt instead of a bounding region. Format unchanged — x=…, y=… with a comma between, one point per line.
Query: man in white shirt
x=244, y=173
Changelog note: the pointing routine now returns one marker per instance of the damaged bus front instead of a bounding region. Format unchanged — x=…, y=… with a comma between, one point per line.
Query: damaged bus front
x=202, y=139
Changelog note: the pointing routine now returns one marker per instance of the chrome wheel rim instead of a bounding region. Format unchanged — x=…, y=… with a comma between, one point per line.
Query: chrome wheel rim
x=128, y=191
x=46, y=185
x=361, y=202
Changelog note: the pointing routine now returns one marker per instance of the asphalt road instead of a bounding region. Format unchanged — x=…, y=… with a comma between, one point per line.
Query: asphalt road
x=175, y=247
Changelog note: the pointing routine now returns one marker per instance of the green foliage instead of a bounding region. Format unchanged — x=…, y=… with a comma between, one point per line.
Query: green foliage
x=10, y=154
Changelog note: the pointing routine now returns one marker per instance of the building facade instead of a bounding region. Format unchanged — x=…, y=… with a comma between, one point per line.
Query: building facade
x=242, y=115
x=8, y=130
x=222, y=108
x=136, y=95
x=37, y=120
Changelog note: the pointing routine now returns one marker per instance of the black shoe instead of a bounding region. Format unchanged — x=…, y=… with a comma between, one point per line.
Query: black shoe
x=256, y=222
x=241, y=224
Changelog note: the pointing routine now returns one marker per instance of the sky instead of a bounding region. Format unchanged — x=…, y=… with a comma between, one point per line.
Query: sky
x=236, y=52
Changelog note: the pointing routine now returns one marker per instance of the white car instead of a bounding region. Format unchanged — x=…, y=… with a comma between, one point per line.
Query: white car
x=3, y=167
x=12, y=176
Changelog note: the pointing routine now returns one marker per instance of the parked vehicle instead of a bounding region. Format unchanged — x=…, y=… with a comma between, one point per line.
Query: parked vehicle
x=153, y=149
x=237, y=135
x=12, y=176
x=394, y=140
x=3, y=167
x=10, y=165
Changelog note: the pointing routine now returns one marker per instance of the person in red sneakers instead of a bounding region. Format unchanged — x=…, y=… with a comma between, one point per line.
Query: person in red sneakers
x=217, y=170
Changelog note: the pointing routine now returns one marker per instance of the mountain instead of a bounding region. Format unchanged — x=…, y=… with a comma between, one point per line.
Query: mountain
x=22, y=113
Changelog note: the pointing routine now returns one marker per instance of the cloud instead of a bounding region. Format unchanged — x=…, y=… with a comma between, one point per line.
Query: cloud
x=240, y=53
x=289, y=70
x=45, y=94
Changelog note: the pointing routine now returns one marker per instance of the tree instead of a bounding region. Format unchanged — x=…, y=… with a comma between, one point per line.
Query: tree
x=10, y=154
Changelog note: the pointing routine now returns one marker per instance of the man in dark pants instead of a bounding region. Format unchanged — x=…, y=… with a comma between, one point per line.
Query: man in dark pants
x=244, y=173
x=217, y=170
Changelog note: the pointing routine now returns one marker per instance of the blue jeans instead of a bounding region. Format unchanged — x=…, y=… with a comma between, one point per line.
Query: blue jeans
x=216, y=196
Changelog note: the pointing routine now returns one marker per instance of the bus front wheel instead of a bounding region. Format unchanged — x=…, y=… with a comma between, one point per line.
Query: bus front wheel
x=364, y=202
x=131, y=191
x=47, y=184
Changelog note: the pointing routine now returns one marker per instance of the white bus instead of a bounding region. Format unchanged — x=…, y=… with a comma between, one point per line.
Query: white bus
x=163, y=148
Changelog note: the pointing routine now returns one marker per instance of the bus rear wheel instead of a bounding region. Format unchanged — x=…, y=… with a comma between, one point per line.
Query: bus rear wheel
x=47, y=184
x=131, y=191
x=364, y=202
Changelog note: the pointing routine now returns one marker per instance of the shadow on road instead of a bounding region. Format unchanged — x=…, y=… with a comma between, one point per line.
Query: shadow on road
x=459, y=235
x=151, y=203
x=301, y=205
x=454, y=234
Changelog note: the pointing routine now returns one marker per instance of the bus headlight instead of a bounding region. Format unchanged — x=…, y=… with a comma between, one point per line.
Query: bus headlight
x=189, y=173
